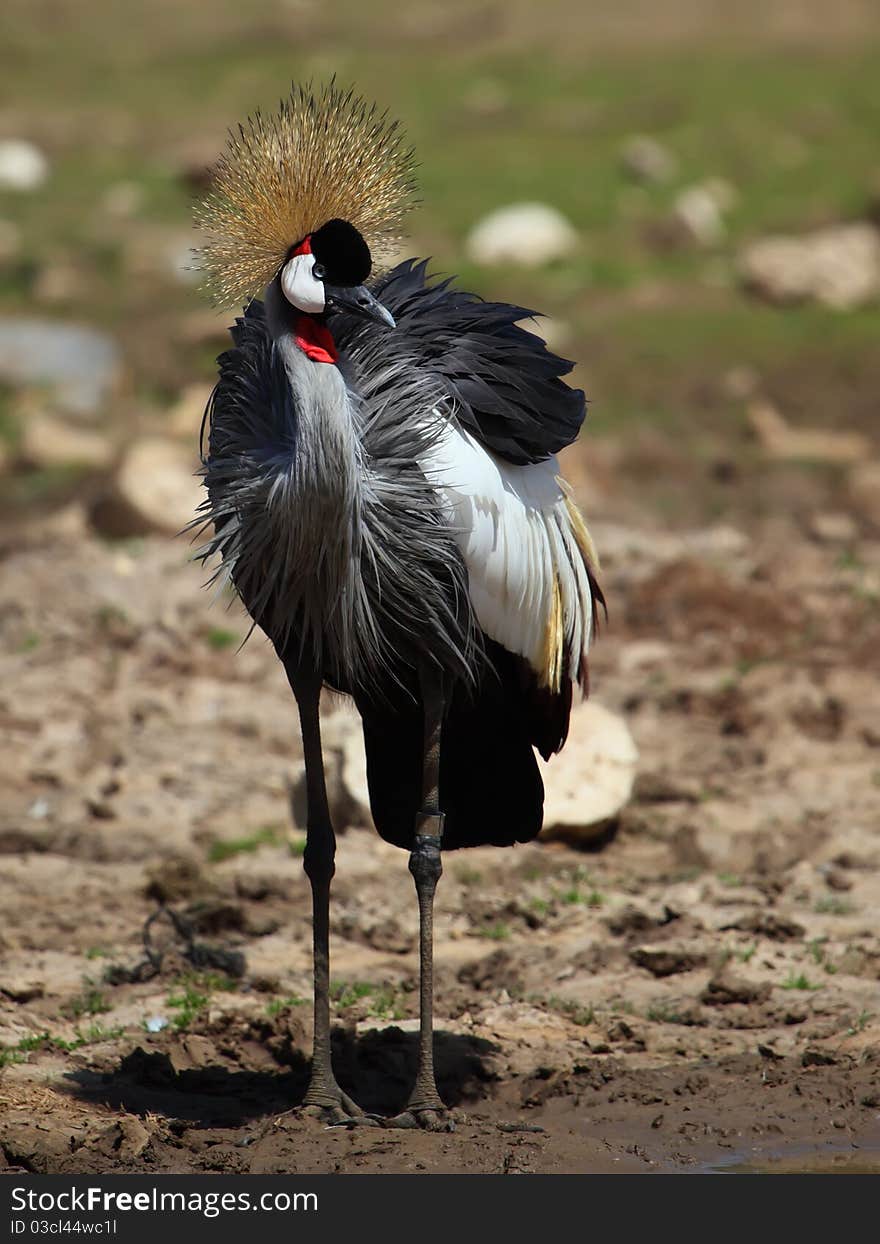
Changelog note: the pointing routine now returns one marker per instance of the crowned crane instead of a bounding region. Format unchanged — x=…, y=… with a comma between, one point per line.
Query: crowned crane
x=383, y=494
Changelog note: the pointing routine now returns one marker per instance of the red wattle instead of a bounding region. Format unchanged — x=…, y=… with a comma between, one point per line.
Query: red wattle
x=315, y=340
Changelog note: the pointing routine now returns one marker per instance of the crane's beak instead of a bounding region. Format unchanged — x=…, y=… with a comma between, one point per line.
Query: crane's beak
x=358, y=300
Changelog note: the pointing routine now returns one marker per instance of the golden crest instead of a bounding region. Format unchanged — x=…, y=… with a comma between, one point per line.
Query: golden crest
x=320, y=157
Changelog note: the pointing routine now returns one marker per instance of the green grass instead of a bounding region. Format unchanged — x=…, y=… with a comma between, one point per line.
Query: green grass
x=592, y=898
x=833, y=906
x=277, y=1005
x=664, y=1013
x=799, y=981
x=382, y=1001
x=860, y=1023
x=188, y=1004
x=220, y=639
x=90, y=1002
x=347, y=993
x=655, y=329
x=40, y=1041
x=386, y=1003
x=44, y=486
x=579, y=1014
x=111, y=615
x=798, y=146
x=819, y=954
x=226, y=848
x=10, y=426
x=497, y=932
x=193, y=996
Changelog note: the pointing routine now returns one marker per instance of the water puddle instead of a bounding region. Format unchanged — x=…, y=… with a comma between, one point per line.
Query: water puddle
x=842, y=1162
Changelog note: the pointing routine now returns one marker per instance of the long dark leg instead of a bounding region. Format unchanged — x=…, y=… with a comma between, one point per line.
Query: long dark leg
x=425, y=1108
x=319, y=863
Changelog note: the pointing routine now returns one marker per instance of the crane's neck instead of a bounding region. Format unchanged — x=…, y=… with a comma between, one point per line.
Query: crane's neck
x=324, y=481
x=310, y=332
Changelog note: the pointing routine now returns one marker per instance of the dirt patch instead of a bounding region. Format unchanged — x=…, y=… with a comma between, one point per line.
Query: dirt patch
x=700, y=988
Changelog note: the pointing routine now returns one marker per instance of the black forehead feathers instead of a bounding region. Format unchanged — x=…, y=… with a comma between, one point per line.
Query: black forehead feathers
x=343, y=253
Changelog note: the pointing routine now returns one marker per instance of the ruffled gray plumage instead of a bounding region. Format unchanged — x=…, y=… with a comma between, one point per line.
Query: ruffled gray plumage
x=321, y=515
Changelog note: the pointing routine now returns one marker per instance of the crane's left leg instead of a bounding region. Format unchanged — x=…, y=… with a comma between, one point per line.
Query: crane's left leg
x=324, y=1096
x=425, y=1107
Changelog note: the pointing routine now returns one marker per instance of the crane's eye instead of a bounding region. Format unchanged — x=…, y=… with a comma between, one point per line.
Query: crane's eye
x=319, y=272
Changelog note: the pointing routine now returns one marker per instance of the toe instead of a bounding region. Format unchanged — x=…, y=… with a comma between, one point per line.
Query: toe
x=429, y=1120
x=338, y=1117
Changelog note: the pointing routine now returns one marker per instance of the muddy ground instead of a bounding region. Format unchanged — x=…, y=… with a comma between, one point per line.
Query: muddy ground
x=697, y=987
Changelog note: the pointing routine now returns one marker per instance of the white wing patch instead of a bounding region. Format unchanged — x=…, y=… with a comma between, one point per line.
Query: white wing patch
x=526, y=549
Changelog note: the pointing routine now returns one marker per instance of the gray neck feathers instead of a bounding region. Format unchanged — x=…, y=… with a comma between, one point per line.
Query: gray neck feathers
x=315, y=505
x=324, y=520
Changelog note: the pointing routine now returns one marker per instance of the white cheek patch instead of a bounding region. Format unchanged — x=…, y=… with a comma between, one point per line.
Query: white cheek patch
x=301, y=287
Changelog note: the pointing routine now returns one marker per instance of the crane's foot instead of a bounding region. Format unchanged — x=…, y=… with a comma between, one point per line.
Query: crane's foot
x=339, y=1116
x=428, y=1118
x=333, y=1108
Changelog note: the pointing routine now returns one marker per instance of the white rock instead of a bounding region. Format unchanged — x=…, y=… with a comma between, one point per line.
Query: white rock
x=642, y=654
x=697, y=214
x=780, y=440
x=156, y=250
x=155, y=490
x=864, y=489
x=838, y=267
x=724, y=194
x=354, y=777
x=721, y=541
x=59, y=283
x=740, y=383
x=123, y=199
x=632, y=545
x=834, y=527
x=526, y=234
x=51, y=442
x=646, y=159
x=81, y=365
x=182, y=262
x=555, y=334
x=586, y=785
x=592, y=778
x=345, y=771
x=185, y=416
x=23, y=166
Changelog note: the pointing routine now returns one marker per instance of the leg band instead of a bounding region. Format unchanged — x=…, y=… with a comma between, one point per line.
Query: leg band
x=430, y=825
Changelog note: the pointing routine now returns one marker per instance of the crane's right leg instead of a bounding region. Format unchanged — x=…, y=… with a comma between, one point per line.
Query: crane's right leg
x=324, y=1095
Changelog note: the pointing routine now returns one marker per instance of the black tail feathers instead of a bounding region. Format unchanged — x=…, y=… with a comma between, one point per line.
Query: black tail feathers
x=490, y=786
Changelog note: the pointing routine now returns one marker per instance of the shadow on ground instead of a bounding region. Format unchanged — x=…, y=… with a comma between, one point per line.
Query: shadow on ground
x=377, y=1069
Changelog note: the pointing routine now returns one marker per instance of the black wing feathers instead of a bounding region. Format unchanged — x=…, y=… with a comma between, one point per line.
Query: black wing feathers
x=504, y=381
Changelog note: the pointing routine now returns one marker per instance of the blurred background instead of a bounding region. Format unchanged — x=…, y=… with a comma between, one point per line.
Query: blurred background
x=664, y=143
x=690, y=193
